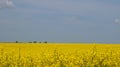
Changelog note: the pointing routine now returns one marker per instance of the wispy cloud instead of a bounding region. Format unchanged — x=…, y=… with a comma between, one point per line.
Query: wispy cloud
x=72, y=19
x=117, y=21
x=77, y=7
x=6, y=4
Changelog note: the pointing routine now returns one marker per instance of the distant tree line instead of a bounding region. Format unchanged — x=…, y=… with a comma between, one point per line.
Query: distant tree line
x=31, y=42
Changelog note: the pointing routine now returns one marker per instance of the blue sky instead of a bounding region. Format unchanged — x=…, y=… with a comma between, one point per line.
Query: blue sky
x=60, y=20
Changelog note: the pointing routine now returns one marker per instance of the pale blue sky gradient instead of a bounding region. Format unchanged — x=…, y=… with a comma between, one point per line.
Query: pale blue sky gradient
x=60, y=20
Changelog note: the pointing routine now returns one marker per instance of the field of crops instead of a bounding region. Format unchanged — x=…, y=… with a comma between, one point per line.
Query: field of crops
x=59, y=55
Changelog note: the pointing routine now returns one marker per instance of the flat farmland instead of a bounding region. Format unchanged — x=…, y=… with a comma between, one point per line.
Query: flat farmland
x=59, y=55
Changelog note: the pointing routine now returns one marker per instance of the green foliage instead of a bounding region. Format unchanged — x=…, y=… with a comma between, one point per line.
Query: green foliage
x=34, y=41
x=45, y=42
x=16, y=41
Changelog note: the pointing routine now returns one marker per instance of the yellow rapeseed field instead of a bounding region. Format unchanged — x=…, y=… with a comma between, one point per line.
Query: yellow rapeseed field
x=59, y=55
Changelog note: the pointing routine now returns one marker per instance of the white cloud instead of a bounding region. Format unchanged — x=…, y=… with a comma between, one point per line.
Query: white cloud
x=117, y=21
x=6, y=4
